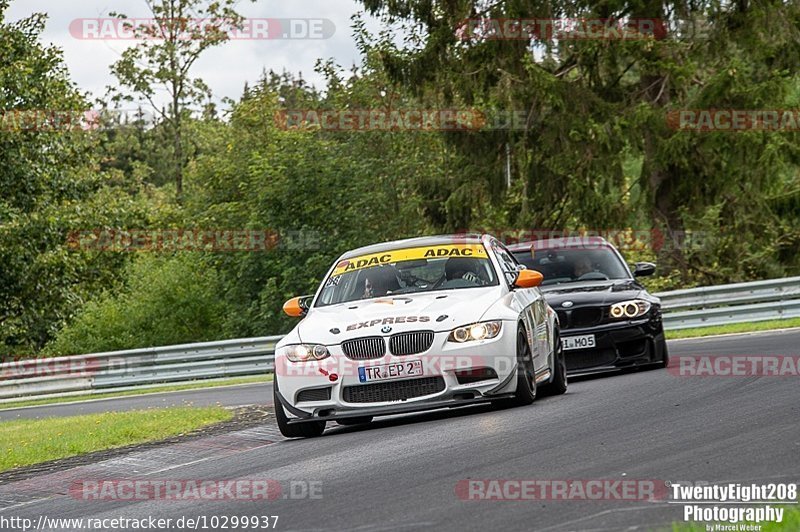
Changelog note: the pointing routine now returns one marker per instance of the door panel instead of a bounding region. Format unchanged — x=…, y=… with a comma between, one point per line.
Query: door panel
x=530, y=301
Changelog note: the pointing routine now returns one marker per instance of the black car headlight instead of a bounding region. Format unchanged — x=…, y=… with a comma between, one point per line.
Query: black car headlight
x=629, y=309
x=306, y=352
x=476, y=331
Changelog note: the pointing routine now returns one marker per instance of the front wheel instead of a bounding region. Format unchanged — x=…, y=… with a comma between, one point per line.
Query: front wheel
x=559, y=383
x=525, y=392
x=664, y=362
x=308, y=429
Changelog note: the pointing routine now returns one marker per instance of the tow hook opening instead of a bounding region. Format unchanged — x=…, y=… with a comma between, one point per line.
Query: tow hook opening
x=463, y=396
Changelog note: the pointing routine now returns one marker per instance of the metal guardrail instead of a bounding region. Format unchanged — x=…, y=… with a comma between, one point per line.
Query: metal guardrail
x=137, y=368
x=86, y=374
x=731, y=303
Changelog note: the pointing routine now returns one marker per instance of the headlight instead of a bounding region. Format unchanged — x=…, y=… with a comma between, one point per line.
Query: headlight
x=629, y=309
x=476, y=331
x=306, y=352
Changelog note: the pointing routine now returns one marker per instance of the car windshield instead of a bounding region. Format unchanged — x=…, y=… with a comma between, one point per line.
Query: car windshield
x=408, y=271
x=570, y=265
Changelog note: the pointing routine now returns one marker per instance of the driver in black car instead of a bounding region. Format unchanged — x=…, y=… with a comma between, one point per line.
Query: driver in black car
x=582, y=266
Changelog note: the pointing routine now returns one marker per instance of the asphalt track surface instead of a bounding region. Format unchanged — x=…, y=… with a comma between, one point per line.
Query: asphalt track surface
x=401, y=473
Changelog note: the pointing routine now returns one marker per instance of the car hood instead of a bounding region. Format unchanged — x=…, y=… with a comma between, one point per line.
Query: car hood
x=437, y=311
x=593, y=292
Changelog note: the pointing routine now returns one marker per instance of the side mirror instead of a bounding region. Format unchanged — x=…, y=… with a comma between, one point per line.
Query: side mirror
x=528, y=279
x=297, y=307
x=643, y=269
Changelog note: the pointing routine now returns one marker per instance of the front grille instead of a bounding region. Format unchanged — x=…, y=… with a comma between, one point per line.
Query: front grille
x=392, y=391
x=590, y=358
x=410, y=343
x=585, y=317
x=364, y=348
x=315, y=394
x=580, y=317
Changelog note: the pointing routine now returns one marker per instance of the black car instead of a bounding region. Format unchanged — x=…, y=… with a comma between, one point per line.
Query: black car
x=608, y=320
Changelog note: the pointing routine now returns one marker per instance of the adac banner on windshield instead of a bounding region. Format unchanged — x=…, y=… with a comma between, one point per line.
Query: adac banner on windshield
x=398, y=255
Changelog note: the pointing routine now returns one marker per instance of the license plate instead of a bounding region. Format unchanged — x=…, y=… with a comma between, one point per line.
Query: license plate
x=398, y=370
x=585, y=341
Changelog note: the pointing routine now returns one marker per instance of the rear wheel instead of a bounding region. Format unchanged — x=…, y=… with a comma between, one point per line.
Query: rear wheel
x=308, y=429
x=559, y=383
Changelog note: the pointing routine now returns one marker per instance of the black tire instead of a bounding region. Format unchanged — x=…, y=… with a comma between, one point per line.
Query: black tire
x=558, y=385
x=354, y=421
x=664, y=362
x=526, y=378
x=310, y=429
x=525, y=392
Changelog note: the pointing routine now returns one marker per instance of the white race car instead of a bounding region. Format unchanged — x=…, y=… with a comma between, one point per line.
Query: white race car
x=412, y=325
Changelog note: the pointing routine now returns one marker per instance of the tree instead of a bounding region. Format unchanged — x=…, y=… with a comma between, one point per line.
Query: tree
x=168, y=48
x=598, y=108
x=51, y=186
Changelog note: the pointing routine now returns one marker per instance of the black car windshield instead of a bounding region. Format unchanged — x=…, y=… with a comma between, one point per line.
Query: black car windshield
x=408, y=271
x=571, y=265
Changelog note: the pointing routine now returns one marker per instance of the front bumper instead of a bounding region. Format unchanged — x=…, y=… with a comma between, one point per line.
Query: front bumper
x=416, y=406
x=331, y=389
x=618, y=345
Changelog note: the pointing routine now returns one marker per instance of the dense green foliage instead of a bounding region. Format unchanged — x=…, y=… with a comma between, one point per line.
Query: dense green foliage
x=596, y=153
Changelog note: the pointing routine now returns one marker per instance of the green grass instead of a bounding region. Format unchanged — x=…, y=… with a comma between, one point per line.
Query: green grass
x=733, y=328
x=195, y=385
x=30, y=441
x=791, y=521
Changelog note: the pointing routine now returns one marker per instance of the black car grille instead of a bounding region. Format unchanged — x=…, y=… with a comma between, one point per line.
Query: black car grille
x=410, y=343
x=392, y=391
x=364, y=348
x=316, y=394
x=585, y=317
x=580, y=317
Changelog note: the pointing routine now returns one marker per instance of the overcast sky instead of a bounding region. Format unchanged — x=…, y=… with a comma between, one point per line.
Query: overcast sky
x=225, y=68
